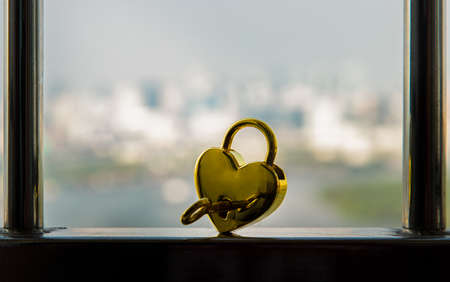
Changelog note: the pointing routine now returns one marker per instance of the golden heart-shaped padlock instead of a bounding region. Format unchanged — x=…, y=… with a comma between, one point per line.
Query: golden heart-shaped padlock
x=233, y=193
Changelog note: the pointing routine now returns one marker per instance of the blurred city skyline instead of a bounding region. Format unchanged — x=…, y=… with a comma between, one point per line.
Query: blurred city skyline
x=208, y=63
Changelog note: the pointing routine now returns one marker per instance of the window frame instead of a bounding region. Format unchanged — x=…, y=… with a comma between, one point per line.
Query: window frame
x=30, y=251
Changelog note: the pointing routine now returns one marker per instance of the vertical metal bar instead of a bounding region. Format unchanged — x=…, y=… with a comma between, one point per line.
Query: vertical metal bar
x=424, y=136
x=23, y=191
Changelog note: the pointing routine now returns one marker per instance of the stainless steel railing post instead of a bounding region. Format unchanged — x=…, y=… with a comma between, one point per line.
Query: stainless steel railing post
x=23, y=86
x=424, y=136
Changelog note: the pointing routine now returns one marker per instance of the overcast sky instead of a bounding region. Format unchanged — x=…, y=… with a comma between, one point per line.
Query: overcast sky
x=99, y=41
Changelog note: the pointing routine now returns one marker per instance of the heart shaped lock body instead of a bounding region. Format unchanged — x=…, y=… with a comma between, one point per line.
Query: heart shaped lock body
x=221, y=174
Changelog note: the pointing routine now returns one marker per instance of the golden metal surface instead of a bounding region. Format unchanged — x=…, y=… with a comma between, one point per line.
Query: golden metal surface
x=222, y=175
x=222, y=207
x=197, y=210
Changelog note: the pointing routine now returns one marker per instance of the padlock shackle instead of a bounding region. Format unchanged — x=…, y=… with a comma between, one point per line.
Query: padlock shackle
x=261, y=126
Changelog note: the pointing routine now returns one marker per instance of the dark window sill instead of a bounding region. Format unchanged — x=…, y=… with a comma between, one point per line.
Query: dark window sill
x=388, y=236
x=315, y=254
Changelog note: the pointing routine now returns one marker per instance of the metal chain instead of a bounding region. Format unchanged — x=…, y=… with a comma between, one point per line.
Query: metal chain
x=205, y=206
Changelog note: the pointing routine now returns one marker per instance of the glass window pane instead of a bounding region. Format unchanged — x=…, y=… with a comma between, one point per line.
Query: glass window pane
x=136, y=90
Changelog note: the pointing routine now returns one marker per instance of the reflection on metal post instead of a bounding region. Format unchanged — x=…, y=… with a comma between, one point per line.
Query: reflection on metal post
x=23, y=84
x=424, y=136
